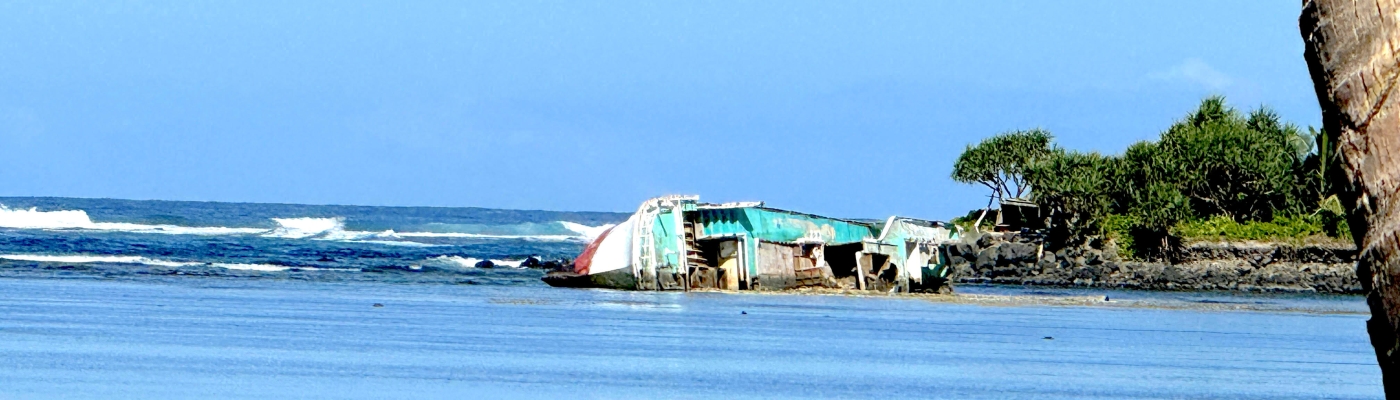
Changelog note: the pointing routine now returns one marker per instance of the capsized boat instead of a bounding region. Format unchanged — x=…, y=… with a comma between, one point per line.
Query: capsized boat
x=679, y=243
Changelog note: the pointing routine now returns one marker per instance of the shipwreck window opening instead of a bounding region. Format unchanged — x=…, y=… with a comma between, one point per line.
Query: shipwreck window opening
x=843, y=262
x=810, y=267
x=718, y=264
x=880, y=273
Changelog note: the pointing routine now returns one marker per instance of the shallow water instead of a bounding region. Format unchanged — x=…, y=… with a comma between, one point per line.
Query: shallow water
x=260, y=338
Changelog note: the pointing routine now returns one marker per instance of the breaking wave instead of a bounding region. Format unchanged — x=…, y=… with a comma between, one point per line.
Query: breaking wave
x=439, y=263
x=87, y=259
x=334, y=229
x=78, y=220
x=459, y=262
x=301, y=228
x=588, y=232
x=316, y=228
x=324, y=229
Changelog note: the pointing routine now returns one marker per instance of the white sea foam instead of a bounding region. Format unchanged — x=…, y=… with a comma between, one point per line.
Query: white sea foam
x=287, y=228
x=395, y=243
x=544, y=238
x=334, y=229
x=84, y=259
x=306, y=227
x=253, y=267
x=455, y=261
x=78, y=219
x=508, y=263
x=587, y=232
x=470, y=262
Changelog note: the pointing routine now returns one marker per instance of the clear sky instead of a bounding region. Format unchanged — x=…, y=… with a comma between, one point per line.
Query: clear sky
x=853, y=109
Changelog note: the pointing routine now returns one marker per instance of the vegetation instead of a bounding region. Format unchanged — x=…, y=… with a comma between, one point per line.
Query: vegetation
x=966, y=222
x=1221, y=227
x=1215, y=174
x=999, y=163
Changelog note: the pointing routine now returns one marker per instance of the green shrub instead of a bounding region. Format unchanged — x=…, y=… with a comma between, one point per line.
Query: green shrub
x=1333, y=218
x=1118, y=228
x=1220, y=227
x=965, y=221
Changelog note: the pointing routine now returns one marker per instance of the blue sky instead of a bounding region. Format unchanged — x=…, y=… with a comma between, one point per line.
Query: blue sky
x=853, y=109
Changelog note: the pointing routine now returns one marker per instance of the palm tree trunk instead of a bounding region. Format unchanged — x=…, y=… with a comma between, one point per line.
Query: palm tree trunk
x=1350, y=47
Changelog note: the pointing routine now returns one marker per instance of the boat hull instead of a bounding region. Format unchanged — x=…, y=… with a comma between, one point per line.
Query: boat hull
x=615, y=279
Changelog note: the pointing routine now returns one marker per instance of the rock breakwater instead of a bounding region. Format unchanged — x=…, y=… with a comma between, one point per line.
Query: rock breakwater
x=1246, y=266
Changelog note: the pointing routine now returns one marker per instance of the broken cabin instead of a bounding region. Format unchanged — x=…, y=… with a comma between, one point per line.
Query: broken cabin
x=679, y=243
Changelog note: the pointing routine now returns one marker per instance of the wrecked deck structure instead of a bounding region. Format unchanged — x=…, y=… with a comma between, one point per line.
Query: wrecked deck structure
x=679, y=243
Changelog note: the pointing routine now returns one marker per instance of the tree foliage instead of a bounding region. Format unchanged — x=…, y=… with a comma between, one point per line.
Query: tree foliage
x=999, y=162
x=1069, y=190
x=1215, y=164
x=1232, y=165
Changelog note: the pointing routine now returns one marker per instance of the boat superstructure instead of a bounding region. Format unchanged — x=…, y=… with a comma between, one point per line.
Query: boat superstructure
x=678, y=243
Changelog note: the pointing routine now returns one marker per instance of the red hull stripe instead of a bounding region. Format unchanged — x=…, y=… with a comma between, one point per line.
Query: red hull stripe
x=585, y=259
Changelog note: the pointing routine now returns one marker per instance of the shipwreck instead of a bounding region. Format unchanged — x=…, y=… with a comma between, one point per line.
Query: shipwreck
x=679, y=243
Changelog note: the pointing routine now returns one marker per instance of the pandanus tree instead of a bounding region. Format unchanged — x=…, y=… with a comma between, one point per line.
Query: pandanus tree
x=1230, y=164
x=999, y=163
x=1070, y=188
x=1350, y=50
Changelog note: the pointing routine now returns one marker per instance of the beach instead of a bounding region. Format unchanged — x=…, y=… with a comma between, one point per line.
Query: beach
x=183, y=337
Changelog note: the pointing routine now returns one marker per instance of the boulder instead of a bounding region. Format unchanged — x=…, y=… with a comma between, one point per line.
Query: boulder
x=1019, y=253
x=963, y=250
x=986, y=260
x=558, y=265
x=988, y=240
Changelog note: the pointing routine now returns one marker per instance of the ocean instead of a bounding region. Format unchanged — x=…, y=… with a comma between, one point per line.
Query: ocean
x=111, y=238
x=142, y=299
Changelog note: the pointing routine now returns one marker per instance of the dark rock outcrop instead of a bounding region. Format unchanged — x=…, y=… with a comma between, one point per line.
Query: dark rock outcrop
x=1007, y=259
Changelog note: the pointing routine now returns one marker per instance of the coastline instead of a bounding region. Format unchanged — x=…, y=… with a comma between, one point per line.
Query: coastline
x=1117, y=298
x=1198, y=266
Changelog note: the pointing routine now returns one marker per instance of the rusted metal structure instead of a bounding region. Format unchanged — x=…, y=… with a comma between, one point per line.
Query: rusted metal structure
x=679, y=243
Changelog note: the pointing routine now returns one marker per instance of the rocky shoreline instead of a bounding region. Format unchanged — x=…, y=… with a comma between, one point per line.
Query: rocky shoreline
x=1230, y=266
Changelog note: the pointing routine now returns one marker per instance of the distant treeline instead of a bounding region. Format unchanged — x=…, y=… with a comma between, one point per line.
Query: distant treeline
x=1215, y=174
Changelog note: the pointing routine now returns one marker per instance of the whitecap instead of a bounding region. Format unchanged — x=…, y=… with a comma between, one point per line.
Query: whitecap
x=395, y=243
x=32, y=218
x=588, y=233
x=470, y=262
x=333, y=229
x=545, y=238
x=453, y=261
x=83, y=259
x=306, y=227
x=321, y=228
x=253, y=267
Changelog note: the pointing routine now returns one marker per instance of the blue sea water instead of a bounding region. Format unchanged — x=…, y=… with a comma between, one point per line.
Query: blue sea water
x=218, y=300
x=104, y=237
